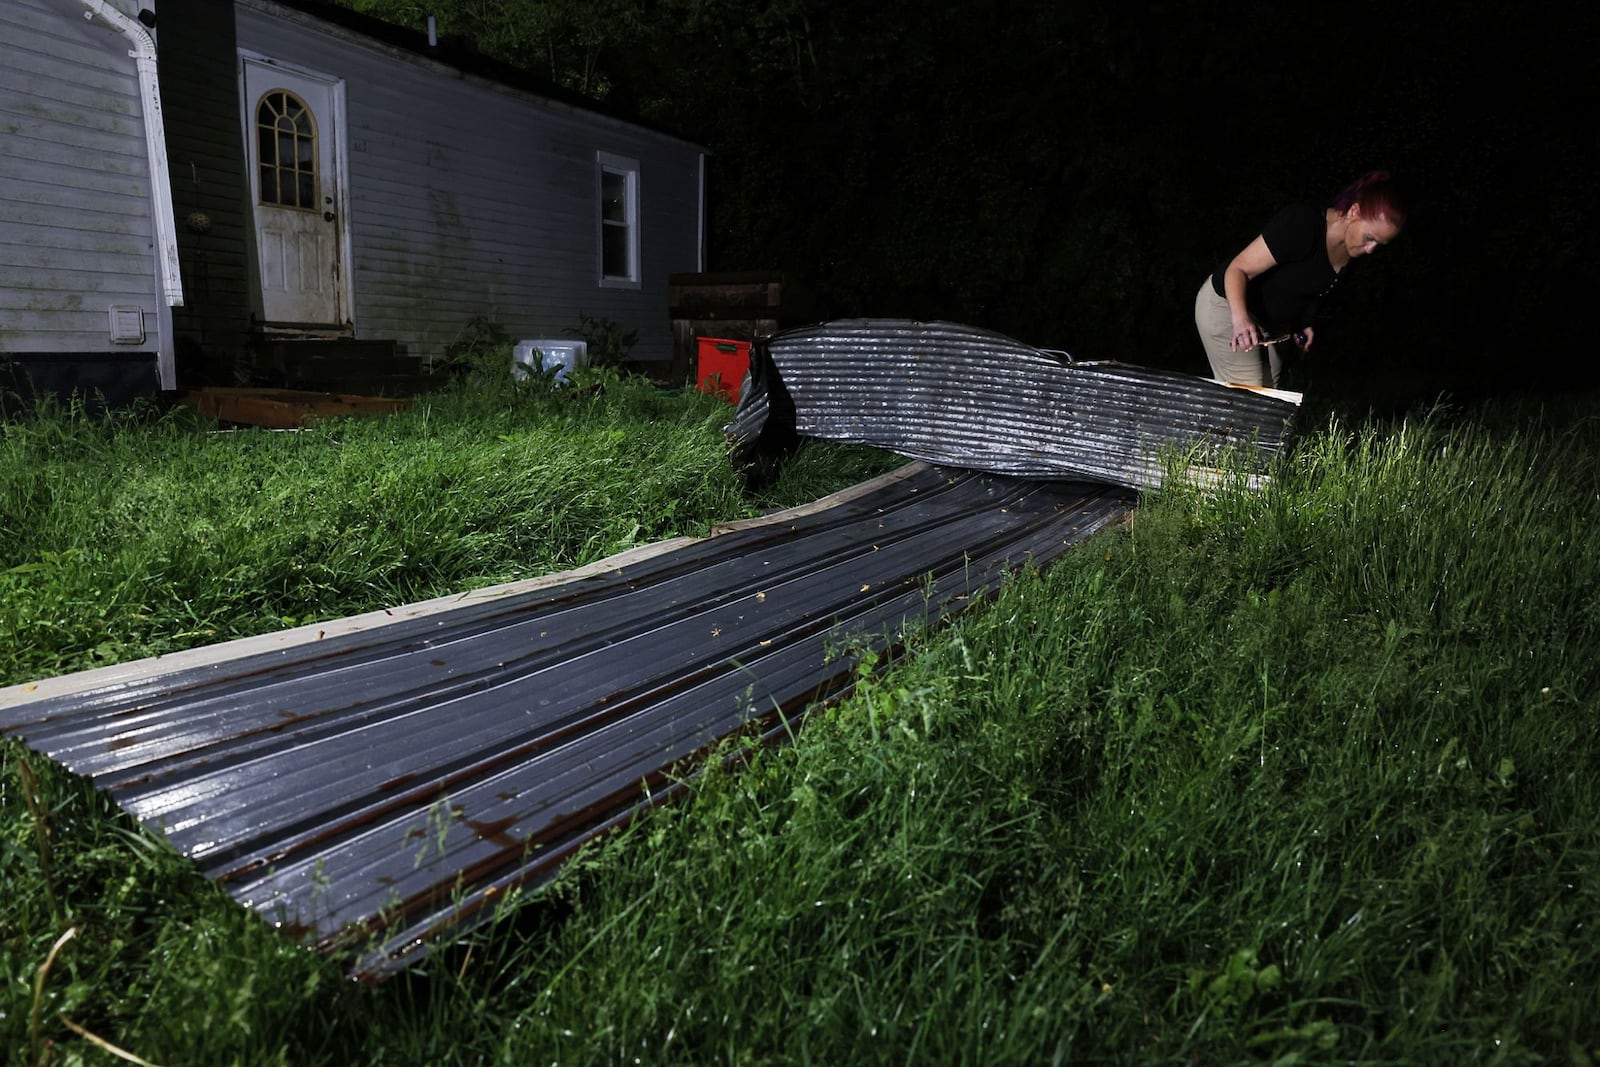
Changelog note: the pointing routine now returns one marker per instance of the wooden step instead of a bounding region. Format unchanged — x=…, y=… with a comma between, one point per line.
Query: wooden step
x=284, y=409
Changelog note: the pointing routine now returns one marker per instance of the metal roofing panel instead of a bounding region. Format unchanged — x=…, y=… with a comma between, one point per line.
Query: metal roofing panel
x=957, y=395
x=398, y=778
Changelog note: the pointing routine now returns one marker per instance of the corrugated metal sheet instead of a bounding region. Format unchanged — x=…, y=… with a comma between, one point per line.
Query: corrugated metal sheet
x=395, y=775
x=953, y=394
x=400, y=779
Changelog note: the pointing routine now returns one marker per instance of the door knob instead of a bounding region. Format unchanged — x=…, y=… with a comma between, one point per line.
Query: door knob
x=327, y=216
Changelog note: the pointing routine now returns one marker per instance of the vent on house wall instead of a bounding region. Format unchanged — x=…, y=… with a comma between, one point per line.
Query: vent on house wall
x=127, y=324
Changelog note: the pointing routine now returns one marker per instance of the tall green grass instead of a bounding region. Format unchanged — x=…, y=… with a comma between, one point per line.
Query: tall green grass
x=1302, y=775
x=1308, y=775
x=140, y=535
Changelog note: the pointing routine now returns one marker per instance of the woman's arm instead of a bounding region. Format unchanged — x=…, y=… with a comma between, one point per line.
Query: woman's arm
x=1255, y=259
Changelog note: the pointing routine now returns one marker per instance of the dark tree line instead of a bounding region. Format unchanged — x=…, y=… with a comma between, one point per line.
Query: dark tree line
x=1068, y=172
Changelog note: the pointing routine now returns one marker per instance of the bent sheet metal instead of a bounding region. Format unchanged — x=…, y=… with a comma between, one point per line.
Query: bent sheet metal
x=384, y=781
x=397, y=774
x=961, y=396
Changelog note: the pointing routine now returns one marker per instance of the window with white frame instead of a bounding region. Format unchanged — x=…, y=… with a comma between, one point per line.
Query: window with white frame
x=617, y=188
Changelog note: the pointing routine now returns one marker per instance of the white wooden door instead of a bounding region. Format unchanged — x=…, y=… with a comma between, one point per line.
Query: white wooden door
x=293, y=144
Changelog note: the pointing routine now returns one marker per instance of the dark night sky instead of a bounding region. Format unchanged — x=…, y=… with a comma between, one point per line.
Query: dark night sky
x=1068, y=172
x=1185, y=130
x=1478, y=111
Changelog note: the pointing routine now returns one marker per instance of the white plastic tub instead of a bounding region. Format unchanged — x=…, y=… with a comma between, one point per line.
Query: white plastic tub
x=530, y=357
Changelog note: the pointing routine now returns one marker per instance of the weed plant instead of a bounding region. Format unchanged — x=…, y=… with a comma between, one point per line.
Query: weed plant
x=1300, y=775
x=607, y=344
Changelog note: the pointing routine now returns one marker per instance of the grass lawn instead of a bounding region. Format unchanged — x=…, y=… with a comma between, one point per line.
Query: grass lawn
x=1304, y=775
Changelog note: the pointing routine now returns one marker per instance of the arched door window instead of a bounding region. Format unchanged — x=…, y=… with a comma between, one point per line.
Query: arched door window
x=286, y=135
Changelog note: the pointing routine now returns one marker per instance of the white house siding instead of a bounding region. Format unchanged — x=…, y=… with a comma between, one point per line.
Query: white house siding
x=75, y=203
x=469, y=200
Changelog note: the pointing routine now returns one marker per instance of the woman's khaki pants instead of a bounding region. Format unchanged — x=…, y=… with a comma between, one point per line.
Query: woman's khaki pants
x=1259, y=366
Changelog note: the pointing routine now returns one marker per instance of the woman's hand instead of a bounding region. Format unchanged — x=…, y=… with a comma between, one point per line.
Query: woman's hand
x=1246, y=334
x=1304, y=338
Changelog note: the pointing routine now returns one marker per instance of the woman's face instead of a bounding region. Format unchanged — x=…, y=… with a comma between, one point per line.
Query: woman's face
x=1363, y=235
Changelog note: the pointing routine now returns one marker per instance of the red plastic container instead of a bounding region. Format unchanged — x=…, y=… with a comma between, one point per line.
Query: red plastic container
x=721, y=365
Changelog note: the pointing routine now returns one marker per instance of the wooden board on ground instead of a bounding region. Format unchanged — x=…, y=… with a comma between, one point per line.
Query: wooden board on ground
x=283, y=409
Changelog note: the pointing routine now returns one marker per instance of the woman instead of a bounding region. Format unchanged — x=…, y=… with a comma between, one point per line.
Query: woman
x=1267, y=293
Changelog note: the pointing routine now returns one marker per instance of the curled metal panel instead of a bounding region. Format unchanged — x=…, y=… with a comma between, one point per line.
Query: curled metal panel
x=956, y=395
x=398, y=780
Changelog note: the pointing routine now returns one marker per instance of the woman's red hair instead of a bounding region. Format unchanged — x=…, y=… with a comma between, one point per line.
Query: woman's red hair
x=1375, y=193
